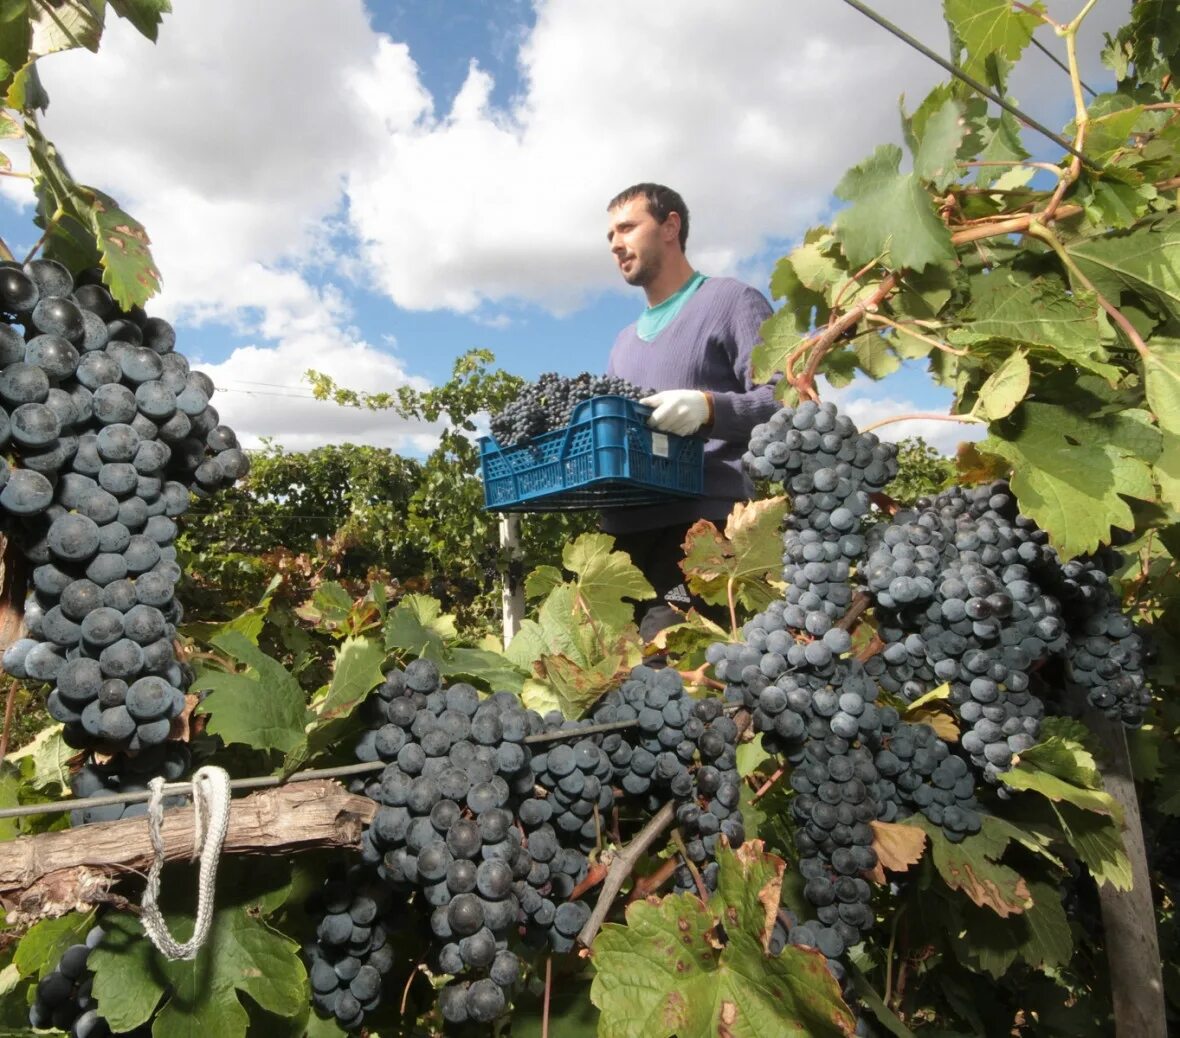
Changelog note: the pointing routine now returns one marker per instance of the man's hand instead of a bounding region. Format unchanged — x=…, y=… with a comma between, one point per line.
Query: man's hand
x=679, y=411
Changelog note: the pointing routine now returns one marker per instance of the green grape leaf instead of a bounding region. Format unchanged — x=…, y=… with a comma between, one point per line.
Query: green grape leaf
x=329, y=606
x=940, y=137
x=45, y=760
x=1049, y=940
x=973, y=866
x=1162, y=370
x=579, y=683
x=988, y=27
x=527, y=645
x=1038, y=313
x=66, y=25
x=890, y=214
x=1098, y=841
x=744, y=558
x=356, y=672
x=145, y=15
x=484, y=667
x=1068, y=475
x=1005, y=387
x=1108, y=132
x=1061, y=768
x=804, y=303
x=1144, y=262
x=243, y=956
x=605, y=577
x=1166, y=471
x=1002, y=146
x=749, y=890
x=875, y=356
x=780, y=336
x=667, y=973
x=128, y=268
x=1040, y=936
x=418, y=626
x=264, y=706
x=41, y=948
x=817, y=269
x=541, y=581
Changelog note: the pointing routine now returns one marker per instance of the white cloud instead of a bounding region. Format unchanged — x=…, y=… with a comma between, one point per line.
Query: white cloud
x=867, y=402
x=261, y=393
x=752, y=110
x=255, y=138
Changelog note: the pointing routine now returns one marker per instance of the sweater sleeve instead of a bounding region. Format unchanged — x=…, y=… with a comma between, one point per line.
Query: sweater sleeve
x=735, y=413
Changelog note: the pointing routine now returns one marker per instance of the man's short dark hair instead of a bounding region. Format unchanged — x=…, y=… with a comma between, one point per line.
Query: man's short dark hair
x=661, y=202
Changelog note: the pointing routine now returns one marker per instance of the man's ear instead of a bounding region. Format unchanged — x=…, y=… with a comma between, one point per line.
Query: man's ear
x=670, y=228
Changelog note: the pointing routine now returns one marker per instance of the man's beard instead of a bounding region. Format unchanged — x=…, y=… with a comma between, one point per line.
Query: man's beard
x=642, y=274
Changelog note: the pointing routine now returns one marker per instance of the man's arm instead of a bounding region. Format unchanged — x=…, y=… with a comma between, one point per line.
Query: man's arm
x=735, y=413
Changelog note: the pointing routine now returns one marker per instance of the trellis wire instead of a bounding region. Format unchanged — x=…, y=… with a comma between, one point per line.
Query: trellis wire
x=266, y=781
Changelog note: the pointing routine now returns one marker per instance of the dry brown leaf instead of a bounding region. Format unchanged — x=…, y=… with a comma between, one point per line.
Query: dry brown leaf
x=898, y=847
x=941, y=721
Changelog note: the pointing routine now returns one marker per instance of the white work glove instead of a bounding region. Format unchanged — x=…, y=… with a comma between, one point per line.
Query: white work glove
x=678, y=411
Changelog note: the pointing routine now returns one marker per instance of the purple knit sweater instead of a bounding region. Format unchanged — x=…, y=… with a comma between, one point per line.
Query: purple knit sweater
x=707, y=346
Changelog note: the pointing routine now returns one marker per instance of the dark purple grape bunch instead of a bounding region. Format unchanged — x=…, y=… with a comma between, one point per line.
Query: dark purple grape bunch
x=549, y=404
x=64, y=998
x=108, y=433
x=457, y=770
x=830, y=470
x=128, y=774
x=681, y=749
x=357, y=917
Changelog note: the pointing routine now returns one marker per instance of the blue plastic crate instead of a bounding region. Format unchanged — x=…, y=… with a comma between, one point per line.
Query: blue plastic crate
x=606, y=457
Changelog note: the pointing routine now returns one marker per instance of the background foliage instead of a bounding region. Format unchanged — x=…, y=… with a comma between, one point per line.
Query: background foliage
x=1043, y=292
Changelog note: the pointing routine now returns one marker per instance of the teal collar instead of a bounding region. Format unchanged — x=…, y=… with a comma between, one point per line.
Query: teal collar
x=656, y=318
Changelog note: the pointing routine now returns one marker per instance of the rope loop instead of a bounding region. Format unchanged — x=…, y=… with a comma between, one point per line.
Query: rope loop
x=211, y=798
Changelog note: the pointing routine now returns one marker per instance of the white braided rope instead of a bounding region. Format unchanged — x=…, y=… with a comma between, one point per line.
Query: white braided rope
x=211, y=796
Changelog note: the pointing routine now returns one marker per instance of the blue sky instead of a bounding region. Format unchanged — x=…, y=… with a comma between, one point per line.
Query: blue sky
x=372, y=189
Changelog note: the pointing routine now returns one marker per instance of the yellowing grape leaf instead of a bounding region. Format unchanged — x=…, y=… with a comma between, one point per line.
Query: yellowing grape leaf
x=1005, y=387
x=973, y=866
x=898, y=847
x=746, y=557
x=669, y=971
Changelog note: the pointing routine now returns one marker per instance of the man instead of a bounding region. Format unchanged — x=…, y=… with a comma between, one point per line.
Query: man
x=692, y=344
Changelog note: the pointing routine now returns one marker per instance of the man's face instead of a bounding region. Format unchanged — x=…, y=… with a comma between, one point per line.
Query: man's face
x=637, y=241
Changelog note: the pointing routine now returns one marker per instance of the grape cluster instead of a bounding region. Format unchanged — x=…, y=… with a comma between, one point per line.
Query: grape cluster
x=128, y=774
x=356, y=917
x=456, y=767
x=853, y=761
x=488, y=812
x=970, y=592
x=63, y=999
x=829, y=469
x=110, y=431
x=965, y=591
x=681, y=749
x=549, y=403
x=1108, y=656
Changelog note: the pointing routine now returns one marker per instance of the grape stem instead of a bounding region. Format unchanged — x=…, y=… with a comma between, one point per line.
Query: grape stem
x=678, y=839
x=548, y=989
x=924, y=416
x=621, y=867
x=859, y=605
x=768, y=785
x=9, y=709
x=652, y=882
